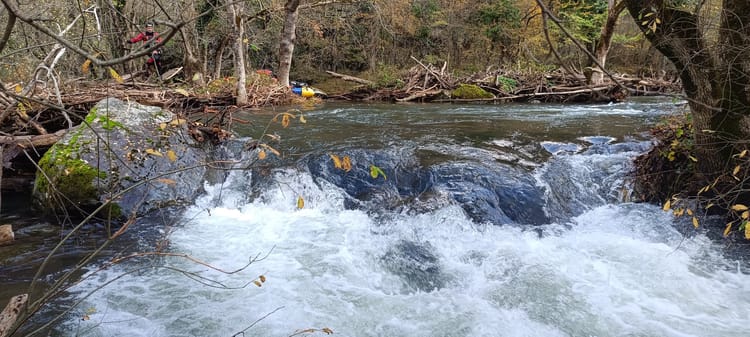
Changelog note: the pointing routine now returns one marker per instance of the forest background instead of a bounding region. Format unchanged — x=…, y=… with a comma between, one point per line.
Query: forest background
x=371, y=39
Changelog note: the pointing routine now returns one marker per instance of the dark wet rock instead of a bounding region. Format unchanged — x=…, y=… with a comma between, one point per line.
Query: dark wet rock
x=404, y=180
x=499, y=195
x=125, y=144
x=416, y=264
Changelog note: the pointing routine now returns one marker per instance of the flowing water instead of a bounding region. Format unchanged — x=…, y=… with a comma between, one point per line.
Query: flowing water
x=509, y=220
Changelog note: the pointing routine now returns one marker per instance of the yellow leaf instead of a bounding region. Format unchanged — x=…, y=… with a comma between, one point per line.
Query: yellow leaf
x=747, y=232
x=154, y=152
x=115, y=75
x=22, y=112
x=743, y=153
x=265, y=146
x=695, y=222
x=285, y=120
x=346, y=164
x=300, y=203
x=302, y=119
x=166, y=181
x=18, y=88
x=739, y=207
x=172, y=156
x=257, y=283
x=728, y=229
x=336, y=161
x=667, y=205
x=690, y=212
x=182, y=92
x=746, y=214
x=162, y=126
x=261, y=154
x=262, y=278
x=178, y=121
x=85, y=66
x=736, y=170
x=678, y=212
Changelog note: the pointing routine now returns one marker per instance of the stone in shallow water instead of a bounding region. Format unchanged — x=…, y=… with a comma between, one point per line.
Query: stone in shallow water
x=416, y=264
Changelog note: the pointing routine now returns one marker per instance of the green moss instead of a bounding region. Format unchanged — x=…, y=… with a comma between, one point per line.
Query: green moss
x=107, y=123
x=470, y=91
x=70, y=175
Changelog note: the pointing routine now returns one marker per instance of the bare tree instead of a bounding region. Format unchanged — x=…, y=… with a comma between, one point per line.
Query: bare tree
x=614, y=10
x=288, y=36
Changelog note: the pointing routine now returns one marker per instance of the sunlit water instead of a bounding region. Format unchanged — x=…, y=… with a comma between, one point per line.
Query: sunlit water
x=600, y=267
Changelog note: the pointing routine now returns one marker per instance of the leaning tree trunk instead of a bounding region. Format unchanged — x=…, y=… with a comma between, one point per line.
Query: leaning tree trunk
x=605, y=38
x=734, y=55
x=678, y=36
x=236, y=10
x=288, y=35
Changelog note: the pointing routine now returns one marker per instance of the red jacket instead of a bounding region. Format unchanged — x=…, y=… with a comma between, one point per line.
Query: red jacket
x=145, y=38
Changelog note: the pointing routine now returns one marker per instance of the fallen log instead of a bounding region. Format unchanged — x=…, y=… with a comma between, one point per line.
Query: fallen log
x=420, y=94
x=527, y=96
x=9, y=316
x=6, y=234
x=33, y=140
x=351, y=78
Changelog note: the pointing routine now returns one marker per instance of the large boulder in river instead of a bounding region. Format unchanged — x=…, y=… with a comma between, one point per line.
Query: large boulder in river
x=140, y=158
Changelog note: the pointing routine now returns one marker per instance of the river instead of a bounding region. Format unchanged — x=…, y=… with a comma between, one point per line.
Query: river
x=487, y=220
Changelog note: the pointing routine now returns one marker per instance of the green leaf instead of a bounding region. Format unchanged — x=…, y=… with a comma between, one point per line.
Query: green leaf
x=376, y=171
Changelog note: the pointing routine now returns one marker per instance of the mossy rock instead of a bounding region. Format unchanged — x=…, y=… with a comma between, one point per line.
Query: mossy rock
x=470, y=91
x=107, y=159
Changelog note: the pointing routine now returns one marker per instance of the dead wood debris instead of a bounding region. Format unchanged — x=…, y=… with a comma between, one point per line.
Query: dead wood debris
x=428, y=83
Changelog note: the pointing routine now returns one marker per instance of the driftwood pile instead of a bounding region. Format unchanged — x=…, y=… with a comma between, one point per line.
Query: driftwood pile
x=429, y=83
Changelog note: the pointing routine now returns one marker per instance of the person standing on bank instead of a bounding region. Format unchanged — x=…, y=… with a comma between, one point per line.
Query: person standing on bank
x=149, y=39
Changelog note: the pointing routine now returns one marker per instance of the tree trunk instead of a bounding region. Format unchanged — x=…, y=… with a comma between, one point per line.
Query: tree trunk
x=734, y=55
x=219, y=56
x=236, y=10
x=605, y=38
x=678, y=36
x=192, y=66
x=288, y=35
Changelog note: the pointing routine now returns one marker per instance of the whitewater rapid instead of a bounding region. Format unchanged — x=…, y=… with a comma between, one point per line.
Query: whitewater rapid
x=615, y=270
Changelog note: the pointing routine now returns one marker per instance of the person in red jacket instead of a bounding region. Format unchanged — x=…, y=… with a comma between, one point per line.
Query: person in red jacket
x=149, y=39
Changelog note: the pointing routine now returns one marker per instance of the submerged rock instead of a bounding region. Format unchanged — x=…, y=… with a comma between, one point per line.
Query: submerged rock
x=416, y=264
x=138, y=157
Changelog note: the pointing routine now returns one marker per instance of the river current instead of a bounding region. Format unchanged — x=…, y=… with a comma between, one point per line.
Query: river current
x=486, y=220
